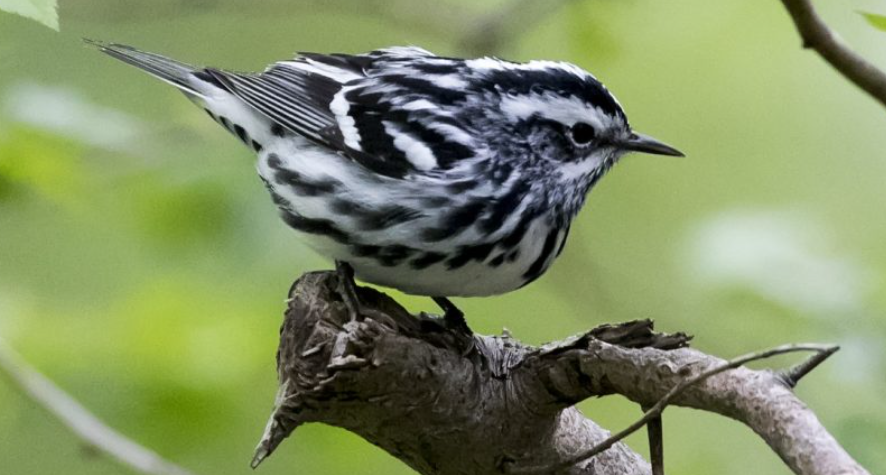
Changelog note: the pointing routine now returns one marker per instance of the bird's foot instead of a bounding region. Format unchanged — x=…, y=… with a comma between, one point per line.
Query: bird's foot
x=454, y=320
x=348, y=289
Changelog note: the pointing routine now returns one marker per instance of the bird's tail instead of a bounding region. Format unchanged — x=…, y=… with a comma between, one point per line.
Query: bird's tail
x=169, y=70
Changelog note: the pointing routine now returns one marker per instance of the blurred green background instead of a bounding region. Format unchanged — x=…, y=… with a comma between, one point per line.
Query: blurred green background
x=143, y=268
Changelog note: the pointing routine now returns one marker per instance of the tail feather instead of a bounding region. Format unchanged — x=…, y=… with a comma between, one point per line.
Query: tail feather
x=169, y=70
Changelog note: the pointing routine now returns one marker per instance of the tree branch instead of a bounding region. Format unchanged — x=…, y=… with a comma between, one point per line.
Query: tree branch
x=653, y=414
x=402, y=382
x=818, y=36
x=82, y=423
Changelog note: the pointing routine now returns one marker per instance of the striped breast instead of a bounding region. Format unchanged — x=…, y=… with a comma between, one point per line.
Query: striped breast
x=503, y=269
x=416, y=236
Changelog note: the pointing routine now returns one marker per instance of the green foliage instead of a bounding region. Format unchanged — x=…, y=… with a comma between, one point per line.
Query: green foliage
x=44, y=11
x=875, y=20
x=41, y=163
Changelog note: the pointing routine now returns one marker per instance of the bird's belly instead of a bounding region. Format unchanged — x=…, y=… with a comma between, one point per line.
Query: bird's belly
x=471, y=280
x=383, y=230
x=407, y=269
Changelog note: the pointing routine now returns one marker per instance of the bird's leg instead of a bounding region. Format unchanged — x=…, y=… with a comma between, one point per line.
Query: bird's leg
x=452, y=316
x=348, y=289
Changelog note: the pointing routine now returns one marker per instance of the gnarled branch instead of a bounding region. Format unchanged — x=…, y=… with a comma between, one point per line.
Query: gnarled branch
x=404, y=383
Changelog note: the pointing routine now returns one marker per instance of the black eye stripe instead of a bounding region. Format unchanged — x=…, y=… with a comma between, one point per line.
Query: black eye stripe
x=582, y=133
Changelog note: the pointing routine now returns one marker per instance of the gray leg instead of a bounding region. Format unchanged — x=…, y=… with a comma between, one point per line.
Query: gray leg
x=348, y=289
x=452, y=316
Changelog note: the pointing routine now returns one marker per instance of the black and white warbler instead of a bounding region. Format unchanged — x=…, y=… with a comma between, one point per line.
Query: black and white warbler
x=435, y=176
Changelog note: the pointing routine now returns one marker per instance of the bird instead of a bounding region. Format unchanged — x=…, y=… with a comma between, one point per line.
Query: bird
x=437, y=176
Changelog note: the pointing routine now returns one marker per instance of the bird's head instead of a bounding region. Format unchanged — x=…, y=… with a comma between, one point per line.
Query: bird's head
x=568, y=121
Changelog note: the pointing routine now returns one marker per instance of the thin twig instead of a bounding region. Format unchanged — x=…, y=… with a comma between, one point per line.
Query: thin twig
x=82, y=423
x=656, y=410
x=656, y=445
x=818, y=36
x=794, y=374
x=490, y=31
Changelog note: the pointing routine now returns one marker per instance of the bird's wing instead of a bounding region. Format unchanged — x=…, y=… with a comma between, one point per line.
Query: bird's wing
x=376, y=108
x=291, y=94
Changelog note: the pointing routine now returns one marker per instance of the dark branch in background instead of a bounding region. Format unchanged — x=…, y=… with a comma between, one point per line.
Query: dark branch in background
x=488, y=34
x=818, y=36
x=430, y=17
x=403, y=383
x=475, y=33
x=82, y=423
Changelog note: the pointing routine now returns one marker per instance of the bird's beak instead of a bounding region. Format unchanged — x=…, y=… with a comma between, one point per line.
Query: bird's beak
x=646, y=144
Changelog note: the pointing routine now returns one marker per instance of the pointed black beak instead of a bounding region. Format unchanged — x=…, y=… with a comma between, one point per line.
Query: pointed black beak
x=646, y=144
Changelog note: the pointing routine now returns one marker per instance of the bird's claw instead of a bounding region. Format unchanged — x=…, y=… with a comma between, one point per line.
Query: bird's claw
x=348, y=290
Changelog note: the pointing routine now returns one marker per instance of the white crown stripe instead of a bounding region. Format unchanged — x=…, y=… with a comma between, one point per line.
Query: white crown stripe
x=340, y=107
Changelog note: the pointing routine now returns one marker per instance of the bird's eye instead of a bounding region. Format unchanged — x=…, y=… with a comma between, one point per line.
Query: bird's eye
x=582, y=133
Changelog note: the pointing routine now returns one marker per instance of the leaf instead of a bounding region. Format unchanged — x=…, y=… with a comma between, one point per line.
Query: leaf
x=43, y=11
x=877, y=21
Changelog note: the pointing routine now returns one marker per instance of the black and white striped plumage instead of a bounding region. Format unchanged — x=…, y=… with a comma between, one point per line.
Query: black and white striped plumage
x=435, y=176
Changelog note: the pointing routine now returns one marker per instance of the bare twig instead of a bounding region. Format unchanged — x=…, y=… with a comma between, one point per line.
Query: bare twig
x=487, y=34
x=656, y=445
x=655, y=411
x=793, y=375
x=818, y=36
x=82, y=423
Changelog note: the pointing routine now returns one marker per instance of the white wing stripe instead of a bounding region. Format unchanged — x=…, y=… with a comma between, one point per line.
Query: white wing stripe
x=346, y=124
x=416, y=151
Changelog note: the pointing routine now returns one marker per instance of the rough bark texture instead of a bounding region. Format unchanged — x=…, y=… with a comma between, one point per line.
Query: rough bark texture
x=445, y=405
